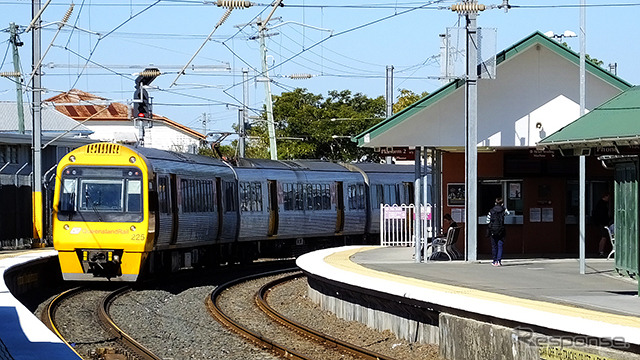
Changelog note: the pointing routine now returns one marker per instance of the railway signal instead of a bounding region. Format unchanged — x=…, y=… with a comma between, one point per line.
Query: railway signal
x=141, y=103
x=142, y=111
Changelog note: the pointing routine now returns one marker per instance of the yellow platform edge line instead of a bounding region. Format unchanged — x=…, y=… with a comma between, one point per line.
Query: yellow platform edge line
x=342, y=260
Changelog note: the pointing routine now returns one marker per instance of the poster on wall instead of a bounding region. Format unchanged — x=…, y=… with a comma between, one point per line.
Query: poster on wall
x=455, y=194
x=514, y=191
x=535, y=214
x=457, y=214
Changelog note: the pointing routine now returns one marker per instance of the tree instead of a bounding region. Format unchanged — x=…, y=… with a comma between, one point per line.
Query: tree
x=595, y=61
x=406, y=98
x=309, y=126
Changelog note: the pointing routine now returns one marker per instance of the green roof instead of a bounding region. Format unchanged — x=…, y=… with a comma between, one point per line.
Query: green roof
x=535, y=38
x=616, y=122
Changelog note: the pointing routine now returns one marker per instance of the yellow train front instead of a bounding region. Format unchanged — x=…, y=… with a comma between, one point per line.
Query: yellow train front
x=101, y=222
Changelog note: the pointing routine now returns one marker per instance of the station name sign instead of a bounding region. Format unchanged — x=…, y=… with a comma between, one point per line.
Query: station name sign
x=400, y=153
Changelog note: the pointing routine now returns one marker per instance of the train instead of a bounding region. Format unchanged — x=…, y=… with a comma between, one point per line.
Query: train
x=122, y=213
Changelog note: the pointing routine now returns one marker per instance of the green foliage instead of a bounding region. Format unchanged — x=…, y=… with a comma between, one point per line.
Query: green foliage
x=309, y=126
x=595, y=61
x=406, y=98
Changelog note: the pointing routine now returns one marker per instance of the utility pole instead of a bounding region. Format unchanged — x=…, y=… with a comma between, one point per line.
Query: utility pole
x=15, y=42
x=204, y=123
x=245, y=113
x=471, y=8
x=582, y=161
x=389, y=91
x=273, y=148
x=36, y=190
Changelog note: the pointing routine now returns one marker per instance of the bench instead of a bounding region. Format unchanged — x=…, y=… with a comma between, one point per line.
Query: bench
x=445, y=245
x=613, y=241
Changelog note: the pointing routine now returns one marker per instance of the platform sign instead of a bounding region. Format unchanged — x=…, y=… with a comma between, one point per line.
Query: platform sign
x=396, y=213
x=562, y=353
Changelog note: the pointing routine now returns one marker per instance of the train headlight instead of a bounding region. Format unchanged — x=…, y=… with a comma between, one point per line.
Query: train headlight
x=133, y=228
x=66, y=226
x=72, y=158
x=132, y=159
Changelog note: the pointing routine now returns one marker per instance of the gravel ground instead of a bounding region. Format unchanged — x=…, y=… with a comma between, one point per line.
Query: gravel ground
x=292, y=301
x=179, y=326
x=78, y=322
x=176, y=324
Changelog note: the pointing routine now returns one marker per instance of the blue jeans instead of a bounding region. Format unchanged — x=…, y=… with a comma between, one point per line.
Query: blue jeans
x=496, y=249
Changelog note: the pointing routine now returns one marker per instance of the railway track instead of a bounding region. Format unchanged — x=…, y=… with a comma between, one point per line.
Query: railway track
x=293, y=340
x=114, y=344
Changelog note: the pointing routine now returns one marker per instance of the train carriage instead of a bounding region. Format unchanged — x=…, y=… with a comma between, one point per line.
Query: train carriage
x=387, y=184
x=120, y=212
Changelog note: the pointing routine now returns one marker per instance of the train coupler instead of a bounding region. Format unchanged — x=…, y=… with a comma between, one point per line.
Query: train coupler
x=101, y=263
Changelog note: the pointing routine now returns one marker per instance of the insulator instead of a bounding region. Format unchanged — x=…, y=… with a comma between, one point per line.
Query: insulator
x=300, y=76
x=151, y=73
x=234, y=4
x=224, y=17
x=66, y=16
x=10, y=74
x=468, y=7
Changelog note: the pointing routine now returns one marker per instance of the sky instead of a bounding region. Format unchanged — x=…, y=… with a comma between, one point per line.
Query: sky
x=342, y=45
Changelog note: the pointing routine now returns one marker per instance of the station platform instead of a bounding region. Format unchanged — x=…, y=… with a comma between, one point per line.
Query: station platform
x=22, y=335
x=545, y=293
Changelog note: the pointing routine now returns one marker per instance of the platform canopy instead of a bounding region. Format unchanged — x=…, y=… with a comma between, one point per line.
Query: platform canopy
x=535, y=93
x=614, y=123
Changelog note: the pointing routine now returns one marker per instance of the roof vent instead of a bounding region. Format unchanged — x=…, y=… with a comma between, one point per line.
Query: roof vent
x=103, y=148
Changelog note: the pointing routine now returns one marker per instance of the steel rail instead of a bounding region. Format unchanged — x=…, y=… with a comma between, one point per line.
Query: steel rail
x=261, y=301
x=218, y=314
x=138, y=350
x=48, y=315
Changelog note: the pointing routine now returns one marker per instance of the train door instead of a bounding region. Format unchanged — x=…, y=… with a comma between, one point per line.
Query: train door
x=339, y=207
x=273, y=207
x=174, y=208
x=164, y=221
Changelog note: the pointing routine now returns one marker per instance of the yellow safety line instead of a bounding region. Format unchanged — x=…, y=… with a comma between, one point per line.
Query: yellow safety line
x=342, y=260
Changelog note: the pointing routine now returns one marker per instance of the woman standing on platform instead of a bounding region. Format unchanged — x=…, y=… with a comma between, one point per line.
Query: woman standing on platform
x=496, y=230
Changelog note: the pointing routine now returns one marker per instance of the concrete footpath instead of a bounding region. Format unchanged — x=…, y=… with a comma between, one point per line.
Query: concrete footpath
x=553, y=281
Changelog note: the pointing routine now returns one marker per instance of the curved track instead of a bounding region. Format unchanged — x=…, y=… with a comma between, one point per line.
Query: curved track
x=130, y=348
x=282, y=349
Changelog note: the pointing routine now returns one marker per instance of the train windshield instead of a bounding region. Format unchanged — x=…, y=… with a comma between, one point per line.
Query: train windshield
x=101, y=194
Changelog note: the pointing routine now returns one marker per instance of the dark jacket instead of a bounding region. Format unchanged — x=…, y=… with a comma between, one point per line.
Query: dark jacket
x=496, y=227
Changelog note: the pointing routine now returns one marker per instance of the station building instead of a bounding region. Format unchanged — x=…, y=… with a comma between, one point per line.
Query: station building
x=611, y=133
x=535, y=93
x=60, y=134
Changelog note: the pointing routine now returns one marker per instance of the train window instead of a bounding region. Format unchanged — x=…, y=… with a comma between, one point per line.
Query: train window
x=390, y=194
x=134, y=195
x=288, y=196
x=299, y=197
x=326, y=197
x=230, y=204
x=197, y=195
x=163, y=195
x=251, y=196
x=308, y=196
x=377, y=196
x=68, y=199
x=356, y=197
x=101, y=195
x=317, y=197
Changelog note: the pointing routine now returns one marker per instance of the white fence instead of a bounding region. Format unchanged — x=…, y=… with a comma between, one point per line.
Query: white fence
x=397, y=224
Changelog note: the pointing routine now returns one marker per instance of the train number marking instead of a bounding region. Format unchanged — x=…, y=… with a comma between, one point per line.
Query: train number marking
x=137, y=237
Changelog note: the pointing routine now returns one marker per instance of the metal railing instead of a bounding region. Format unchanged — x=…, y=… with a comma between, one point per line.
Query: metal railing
x=398, y=222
